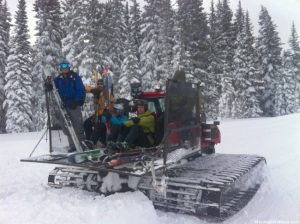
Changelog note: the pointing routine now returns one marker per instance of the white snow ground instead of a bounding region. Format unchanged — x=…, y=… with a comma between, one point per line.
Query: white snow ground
x=25, y=197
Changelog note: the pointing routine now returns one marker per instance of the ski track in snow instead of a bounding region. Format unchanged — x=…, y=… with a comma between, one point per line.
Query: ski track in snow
x=25, y=197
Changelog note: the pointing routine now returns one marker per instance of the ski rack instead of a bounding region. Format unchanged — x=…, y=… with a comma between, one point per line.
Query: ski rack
x=63, y=112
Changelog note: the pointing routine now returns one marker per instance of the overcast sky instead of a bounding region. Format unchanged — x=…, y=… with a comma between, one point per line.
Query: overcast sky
x=283, y=12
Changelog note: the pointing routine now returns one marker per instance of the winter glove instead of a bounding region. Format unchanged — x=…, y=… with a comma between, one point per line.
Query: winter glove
x=48, y=84
x=73, y=105
x=135, y=120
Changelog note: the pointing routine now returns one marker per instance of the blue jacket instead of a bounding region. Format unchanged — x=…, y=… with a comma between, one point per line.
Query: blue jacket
x=116, y=120
x=70, y=88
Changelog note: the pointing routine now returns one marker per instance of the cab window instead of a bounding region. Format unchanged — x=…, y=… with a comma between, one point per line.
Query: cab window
x=151, y=106
x=162, y=104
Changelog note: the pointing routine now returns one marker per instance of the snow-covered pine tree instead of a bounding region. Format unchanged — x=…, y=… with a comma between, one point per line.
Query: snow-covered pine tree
x=268, y=52
x=135, y=21
x=157, y=45
x=238, y=64
x=194, y=31
x=286, y=99
x=18, y=87
x=213, y=86
x=49, y=34
x=166, y=40
x=294, y=48
x=127, y=18
x=124, y=80
x=115, y=45
x=89, y=39
x=73, y=24
x=38, y=97
x=130, y=66
x=246, y=82
x=47, y=52
x=90, y=46
x=227, y=97
x=149, y=49
x=177, y=45
x=186, y=64
x=225, y=51
x=5, y=19
x=107, y=32
x=238, y=23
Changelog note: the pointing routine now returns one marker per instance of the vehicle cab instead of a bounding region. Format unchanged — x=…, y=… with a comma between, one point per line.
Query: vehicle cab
x=177, y=117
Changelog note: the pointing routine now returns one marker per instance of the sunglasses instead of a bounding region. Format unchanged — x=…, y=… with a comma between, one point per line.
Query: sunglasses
x=64, y=65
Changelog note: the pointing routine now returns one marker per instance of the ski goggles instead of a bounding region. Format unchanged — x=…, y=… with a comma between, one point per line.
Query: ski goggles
x=64, y=65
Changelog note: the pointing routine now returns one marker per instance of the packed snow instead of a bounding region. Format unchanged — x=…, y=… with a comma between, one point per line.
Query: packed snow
x=25, y=196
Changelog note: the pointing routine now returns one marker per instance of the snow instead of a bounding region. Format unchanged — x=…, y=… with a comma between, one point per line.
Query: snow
x=25, y=196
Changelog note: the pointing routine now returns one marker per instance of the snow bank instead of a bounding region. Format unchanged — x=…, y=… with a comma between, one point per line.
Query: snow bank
x=278, y=140
x=26, y=198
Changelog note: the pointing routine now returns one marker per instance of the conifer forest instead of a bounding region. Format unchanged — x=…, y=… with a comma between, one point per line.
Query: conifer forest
x=242, y=74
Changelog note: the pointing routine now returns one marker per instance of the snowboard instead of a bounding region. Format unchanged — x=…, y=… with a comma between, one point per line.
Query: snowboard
x=81, y=157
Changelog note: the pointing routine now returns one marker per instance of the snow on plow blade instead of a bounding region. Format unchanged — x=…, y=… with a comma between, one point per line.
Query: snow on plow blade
x=217, y=185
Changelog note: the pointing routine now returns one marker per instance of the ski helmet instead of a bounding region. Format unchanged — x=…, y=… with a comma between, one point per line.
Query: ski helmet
x=118, y=109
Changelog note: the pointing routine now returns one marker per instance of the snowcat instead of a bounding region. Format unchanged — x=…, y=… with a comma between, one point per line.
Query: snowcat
x=180, y=173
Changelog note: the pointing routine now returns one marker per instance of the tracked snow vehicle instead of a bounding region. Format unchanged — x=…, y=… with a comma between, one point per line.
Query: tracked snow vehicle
x=181, y=173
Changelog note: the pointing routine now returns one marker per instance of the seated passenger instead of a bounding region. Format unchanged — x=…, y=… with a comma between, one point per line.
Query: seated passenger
x=96, y=126
x=138, y=131
x=109, y=126
x=92, y=125
x=117, y=119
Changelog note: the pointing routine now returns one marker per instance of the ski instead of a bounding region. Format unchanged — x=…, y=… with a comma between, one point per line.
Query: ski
x=127, y=159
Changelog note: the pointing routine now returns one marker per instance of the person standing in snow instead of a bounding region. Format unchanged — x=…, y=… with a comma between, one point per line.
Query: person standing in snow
x=71, y=91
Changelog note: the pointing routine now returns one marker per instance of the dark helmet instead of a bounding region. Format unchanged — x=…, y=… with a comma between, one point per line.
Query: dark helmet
x=142, y=103
x=64, y=64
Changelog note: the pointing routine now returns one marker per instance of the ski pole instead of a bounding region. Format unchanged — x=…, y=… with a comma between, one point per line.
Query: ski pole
x=38, y=143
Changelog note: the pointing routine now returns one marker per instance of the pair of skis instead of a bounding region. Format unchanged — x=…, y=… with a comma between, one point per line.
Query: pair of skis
x=101, y=157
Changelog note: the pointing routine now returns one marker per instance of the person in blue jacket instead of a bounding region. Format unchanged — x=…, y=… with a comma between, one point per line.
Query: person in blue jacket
x=71, y=90
x=116, y=121
x=109, y=126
